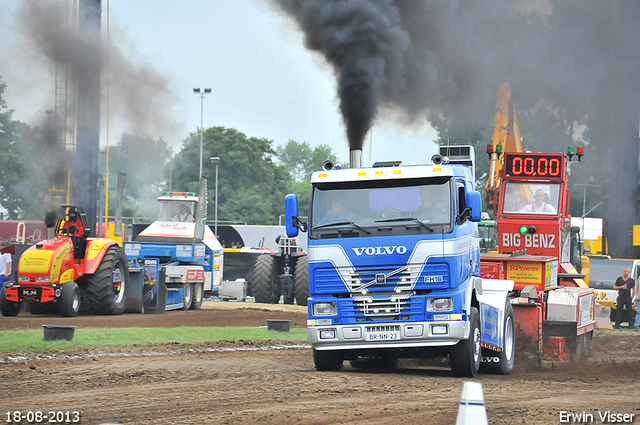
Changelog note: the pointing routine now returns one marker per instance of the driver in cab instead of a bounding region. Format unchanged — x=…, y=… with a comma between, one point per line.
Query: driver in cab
x=539, y=206
x=338, y=212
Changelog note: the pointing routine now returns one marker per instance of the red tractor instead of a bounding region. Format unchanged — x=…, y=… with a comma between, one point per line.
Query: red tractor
x=69, y=273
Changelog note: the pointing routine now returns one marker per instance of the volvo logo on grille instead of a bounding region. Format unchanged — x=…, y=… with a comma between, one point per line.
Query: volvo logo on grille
x=380, y=250
x=380, y=278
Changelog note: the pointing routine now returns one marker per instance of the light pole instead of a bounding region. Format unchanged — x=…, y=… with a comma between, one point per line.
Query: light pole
x=201, y=94
x=216, y=160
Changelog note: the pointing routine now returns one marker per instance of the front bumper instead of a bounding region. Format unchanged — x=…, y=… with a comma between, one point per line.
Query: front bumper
x=32, y=293
x=409, y=335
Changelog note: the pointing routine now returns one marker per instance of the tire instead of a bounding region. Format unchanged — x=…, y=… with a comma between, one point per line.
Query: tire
x=506, y=357
x=301, y=280
x=197, y=289
x=465, y=356
x=69, y=302
x=106, y=288
x=327, y=361
x=187, y=296
x=9, y=308
x=264, y=289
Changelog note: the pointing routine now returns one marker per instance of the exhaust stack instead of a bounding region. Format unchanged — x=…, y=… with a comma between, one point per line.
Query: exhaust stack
x=355, y=158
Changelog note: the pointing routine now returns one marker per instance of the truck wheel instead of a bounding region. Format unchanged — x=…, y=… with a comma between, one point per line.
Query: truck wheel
x=106, y=288
x=197, y=291
x=70, y=299
x=187, y=296
x=9, y=308
x=465, y=356
x=301, y=280
x=264, y=288
x=505, y=358
x=327, y=360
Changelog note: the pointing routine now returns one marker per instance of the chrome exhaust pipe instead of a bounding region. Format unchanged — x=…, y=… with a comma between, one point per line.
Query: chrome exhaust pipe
x=355, y=158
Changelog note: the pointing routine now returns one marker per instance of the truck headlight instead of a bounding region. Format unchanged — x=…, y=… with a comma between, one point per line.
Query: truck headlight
x=440, y=304
x=325, y=309
x=43, y=279
x=328, y=334
x=23, y=278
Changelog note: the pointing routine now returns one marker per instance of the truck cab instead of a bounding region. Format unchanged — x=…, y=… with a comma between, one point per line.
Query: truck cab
x=533, y=209
x=179, y=253
x=394, y=266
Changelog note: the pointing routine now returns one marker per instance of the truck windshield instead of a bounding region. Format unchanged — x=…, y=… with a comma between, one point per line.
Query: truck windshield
x=395, y=206
x=531, y=198
x=176, y=210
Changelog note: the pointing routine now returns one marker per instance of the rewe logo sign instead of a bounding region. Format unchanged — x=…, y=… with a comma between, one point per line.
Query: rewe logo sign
x=380, y=250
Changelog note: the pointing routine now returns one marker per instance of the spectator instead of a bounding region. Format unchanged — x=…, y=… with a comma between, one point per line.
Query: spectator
x=184, y=214
x=637, y=291
x=5, y=264
x=539, y=205
x=625, y=287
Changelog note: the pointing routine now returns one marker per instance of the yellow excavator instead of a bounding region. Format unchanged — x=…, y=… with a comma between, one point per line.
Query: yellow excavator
x=506, y=138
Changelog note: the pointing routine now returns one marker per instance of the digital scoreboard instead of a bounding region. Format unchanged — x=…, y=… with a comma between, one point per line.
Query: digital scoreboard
x=543, y=166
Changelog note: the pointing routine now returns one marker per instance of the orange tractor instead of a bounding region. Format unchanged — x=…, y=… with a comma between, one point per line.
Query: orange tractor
x=69, y=272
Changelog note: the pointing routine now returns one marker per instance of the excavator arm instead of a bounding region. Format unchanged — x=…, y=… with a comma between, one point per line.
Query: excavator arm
x=506, y=138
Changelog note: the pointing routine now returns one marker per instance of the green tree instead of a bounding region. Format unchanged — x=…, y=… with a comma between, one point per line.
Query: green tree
x=302, y=190
x=252, y=186
x=301, y=160
x=25, y=160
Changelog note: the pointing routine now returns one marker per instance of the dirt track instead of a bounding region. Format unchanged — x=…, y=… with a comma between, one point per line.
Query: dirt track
x=272, y=383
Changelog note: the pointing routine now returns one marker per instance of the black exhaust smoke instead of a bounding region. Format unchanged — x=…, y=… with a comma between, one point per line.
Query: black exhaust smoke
x=572, y=63
x=364, y=42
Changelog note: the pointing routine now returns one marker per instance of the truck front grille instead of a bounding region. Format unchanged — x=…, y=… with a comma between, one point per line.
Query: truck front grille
x=392, y=328
x=381, y=308
x=399, y=279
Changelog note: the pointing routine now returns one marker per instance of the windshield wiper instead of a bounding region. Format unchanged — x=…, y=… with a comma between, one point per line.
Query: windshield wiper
x=415, y=220
x=342, y=223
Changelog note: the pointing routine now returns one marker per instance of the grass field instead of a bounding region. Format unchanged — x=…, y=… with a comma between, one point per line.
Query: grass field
x=33, y=340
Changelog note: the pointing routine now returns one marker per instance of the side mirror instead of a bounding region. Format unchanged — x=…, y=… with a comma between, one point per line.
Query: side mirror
x=292, y=224
x=474, y=203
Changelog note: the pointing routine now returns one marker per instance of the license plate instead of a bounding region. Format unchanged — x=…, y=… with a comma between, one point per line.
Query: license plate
x=383, y=336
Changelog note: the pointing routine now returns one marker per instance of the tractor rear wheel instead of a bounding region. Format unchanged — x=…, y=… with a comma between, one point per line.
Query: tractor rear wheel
x=197, y=291
x=70, y=300
x=106, y=288
x=264, y=288
x=301, y=280
x=9, y=308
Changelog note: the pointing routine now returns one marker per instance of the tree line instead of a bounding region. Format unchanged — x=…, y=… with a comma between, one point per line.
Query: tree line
x=254, y=174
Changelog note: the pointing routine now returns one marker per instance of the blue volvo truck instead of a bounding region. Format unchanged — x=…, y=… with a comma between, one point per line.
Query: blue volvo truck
x=394, y=267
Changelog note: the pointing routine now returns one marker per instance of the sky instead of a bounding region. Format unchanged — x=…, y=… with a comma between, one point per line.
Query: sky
x=263, y=80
